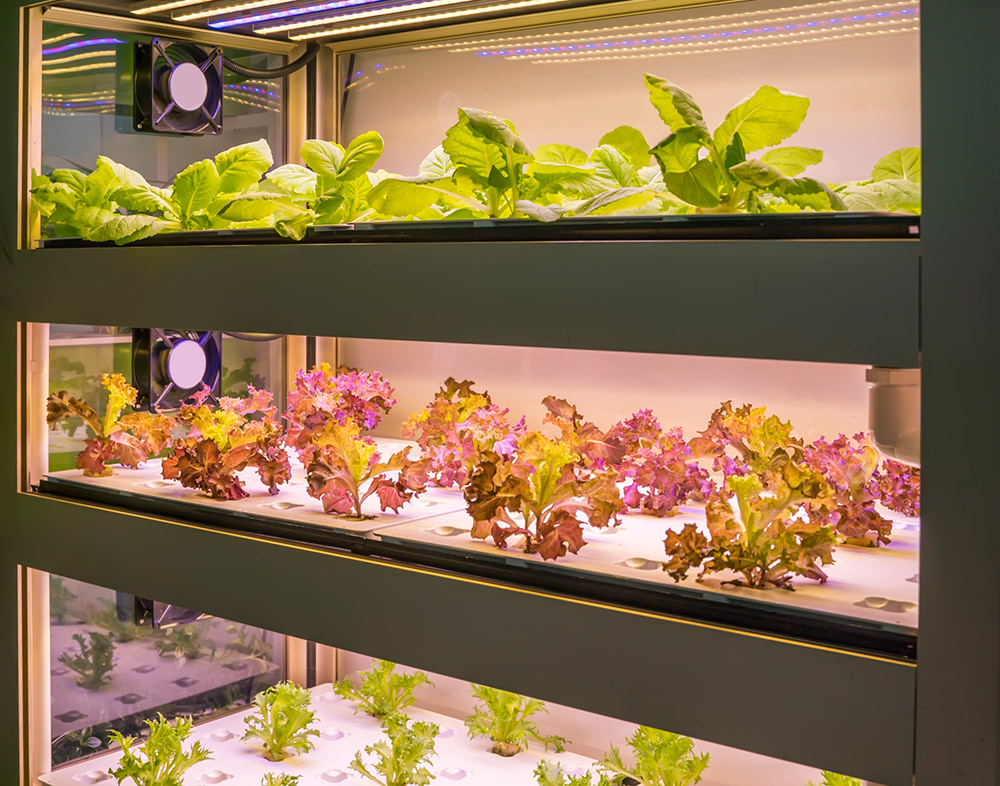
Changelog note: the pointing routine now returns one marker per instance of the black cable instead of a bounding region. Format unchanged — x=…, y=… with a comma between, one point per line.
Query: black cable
x=253, y=336
x=312, y=49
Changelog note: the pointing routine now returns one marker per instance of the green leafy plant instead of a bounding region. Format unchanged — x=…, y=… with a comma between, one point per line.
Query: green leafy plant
x=505, y=718
x=833, y=779
x=93, y=662
x=710, y=169
x=383, y=692
x=59, y=597
x=249, y=644
x=660, y=759
x=184, y=641
x=282, y=721
x=549, y=773
x=119, y=630
x=128, y=438
x=894, y=184
x=279, y=779
x=402, y=758
x=161, y=760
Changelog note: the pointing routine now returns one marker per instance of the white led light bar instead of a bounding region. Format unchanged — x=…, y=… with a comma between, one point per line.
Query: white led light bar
x=156, y=6
x=228, y=7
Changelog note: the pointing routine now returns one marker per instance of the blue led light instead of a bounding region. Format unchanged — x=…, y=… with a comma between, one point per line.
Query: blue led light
x=251, y=89
x=288, y=13
x=80, y=44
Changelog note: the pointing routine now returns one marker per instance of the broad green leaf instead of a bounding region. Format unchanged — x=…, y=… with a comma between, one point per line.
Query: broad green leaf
x=360, y=155
x=614, y=201
x=125, y=229
x=800, y=191
x=142, y=199
x=560, y=155
x=471, y=150
x=735, y=154
x=792, y=161
x=401, y=198
x=436, y=165
x=650, y=176
x=496, y=129
x=679, y=151
x=902, y=164
x=252, y=207
x=121, y=173
x=243, y=166
x=58, y=194
x=883, y=196
x=762, y=119
x=294, y=179
x=630, y=142
x=757, y=173
x=73, y=178
x=195, y=188
x=330, y=209
x=543, y=213
x=86, y=218
x=296, y=226
x=613, y=165
x=323, y=157
x=98, y=186
x=699, y=186
x=676, y=107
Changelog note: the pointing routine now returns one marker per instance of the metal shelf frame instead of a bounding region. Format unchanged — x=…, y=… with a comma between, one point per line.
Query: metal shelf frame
x=932, y=301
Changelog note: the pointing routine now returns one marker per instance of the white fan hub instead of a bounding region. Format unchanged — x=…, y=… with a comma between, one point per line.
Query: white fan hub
x=186, y=364
x=188, y=87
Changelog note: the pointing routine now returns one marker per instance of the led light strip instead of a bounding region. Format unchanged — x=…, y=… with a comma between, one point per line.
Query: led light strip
x=79, y=45
x=76, y=69
x=58, y=38
x=813, y=8
x=379, y=11
x=707, y=39
x=287, y=13
x=757, y=46
x=162, y=5
x=93, y=94
x=229, y=8
x=413, y=20
x=81, y=56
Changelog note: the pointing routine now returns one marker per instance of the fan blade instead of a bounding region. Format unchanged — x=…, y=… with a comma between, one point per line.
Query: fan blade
x=163, y=395
x=166, y=112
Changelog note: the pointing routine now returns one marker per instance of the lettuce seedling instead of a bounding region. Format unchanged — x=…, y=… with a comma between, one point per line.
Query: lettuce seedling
x=161, y=760
x=184, y=641
x=456, y=427
x=223, y=441
x=282, y=721
x=505, y=718
x=834, y=779
x=894, y=185
x=251, y=645
x=549, y=773
x=540, y=493
x=711, y=171
x=279, y=779
x=346, y=469
x=661, y=759
x=59, y=597
x=118, y=630
x=767, y=539
x=323, y=396
x=401, y=760
x=129, y=439
x=92, y=662
x=383, y=691
x=899, y=487
x=849, y=468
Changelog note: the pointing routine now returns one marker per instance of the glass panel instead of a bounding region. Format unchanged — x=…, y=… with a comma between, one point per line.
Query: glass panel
x=454, y=730
x=696, y=486
x=109, y=673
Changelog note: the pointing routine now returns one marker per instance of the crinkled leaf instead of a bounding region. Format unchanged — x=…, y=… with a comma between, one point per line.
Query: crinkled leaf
x=125, y=229
x=675, y=106
x=883, y=196
x=544, y=213
x=296, y=226
x=763, y=119
x=243, y=166
x=614, y=200
x=253, y=206
x=613, y=165
x=630, y=142
x=295, y=180
x=195, y=188
x=801, y=191
x=436, y=165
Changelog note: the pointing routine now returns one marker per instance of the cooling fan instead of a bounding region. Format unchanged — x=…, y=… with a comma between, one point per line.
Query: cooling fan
x=177, y=88
x=170, y=365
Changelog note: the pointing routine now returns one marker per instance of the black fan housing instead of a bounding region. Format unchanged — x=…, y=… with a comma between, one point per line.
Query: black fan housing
x=177, y=88
x=168, y=366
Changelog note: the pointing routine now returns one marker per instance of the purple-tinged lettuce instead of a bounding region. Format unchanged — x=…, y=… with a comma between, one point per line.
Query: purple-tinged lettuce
x=899, y=487
x=346, y=468
x=129, y=439
x=324, y=396
x=587, y=439
x=849, y=468
x=541, y=494
x=456, y=427
x=224, y=441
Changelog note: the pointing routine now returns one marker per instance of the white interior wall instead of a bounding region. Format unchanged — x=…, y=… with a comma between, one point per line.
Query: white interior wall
x=864, y=93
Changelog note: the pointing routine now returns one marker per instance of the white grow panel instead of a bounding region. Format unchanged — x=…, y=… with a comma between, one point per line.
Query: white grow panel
x=458, y=759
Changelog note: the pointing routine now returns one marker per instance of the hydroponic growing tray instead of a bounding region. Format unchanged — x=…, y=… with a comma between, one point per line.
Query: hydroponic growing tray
x=458, y=759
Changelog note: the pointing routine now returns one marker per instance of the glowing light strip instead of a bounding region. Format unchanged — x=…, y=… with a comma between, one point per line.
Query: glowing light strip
x=93, y=94
x=75, y=104
x=58, y=38
x=740, y=48
x=254, y=104
x=380, y=11
x=813, y=8
x=705, y=38
x=166, y=5
x=413, y=20
x=230, y=8
x=81, y=56
x=80, y=45
x=76, y=69
x=257, y=90
x=287, y=13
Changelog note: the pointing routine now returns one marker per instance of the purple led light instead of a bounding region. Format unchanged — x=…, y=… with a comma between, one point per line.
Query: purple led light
x=288, y=13
x=250, y=89
x=80, y=44
x=675, y=39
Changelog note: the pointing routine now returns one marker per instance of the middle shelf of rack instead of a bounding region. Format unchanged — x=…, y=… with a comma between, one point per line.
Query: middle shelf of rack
x=847, y=301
